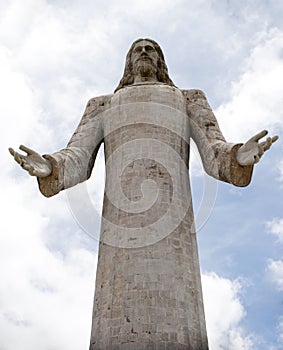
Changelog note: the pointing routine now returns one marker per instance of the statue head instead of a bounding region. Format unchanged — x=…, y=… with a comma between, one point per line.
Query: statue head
x=146, y=60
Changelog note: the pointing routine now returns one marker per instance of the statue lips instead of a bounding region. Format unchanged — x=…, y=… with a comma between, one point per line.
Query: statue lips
x=144, y=57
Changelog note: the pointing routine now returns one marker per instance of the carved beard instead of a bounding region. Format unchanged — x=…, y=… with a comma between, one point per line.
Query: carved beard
x=145, y=68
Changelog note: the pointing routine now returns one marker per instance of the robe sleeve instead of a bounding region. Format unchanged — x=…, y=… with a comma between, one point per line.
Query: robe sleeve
x=74, y=163
x=218, y=156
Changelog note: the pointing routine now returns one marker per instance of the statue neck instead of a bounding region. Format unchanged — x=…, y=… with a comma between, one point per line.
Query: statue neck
x=144, y=80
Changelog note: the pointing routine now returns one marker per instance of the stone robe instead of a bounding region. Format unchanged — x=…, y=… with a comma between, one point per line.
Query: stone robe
x=148, y=289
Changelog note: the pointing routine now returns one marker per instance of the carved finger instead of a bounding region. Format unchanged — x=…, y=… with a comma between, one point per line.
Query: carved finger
x=274, y=138
x=259, y=136
x=268, y=143
x=26, y=166
x=12, y=152
x=31, y=171
x=261, y=149
x=29, y=151
x=265, y=145
x=18, y=158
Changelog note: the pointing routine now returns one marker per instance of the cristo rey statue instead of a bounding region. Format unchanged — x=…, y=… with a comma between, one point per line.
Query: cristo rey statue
x=148, y=289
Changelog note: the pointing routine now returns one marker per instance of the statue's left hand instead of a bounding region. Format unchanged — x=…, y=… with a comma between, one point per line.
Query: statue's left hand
x=251, y=152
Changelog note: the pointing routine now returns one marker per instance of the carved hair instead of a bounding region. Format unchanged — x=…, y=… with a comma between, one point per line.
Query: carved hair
x=162, y=71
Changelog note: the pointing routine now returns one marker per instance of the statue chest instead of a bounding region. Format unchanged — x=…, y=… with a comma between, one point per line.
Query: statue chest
x=146, y=119
x=146, y=135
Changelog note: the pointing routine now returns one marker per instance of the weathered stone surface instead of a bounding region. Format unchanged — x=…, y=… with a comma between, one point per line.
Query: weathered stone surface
x=148, y=286
x=148, y=289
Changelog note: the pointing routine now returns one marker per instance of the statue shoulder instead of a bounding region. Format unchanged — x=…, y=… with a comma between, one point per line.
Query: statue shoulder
x=194, y=95
x=97, y=104
x=196, y=99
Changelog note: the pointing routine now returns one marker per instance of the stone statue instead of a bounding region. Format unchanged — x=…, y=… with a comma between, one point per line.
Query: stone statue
x=148, y=290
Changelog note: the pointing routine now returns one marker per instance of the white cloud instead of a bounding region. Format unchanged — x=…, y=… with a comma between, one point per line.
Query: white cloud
x=16, y=20
x=256, y=102
x=224, y=313
x=275, y=272
x=17, y=105
x=45, y=294
x=275, y=226
x=275, y=267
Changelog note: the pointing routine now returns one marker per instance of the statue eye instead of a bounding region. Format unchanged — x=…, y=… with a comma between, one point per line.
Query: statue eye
x=138, y=49
x=149, y=48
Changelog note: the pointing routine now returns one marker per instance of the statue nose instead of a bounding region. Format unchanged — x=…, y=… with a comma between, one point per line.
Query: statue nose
x=144, y=51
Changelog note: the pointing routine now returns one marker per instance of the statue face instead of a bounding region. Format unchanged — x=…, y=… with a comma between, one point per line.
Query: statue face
x=144, y=59
x=144, y=51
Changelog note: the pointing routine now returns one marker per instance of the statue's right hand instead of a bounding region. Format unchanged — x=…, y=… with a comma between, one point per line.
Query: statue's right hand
x=32, y=162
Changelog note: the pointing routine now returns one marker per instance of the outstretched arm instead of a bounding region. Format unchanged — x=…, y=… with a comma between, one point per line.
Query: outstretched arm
x=229, y=162
x=33, y=163
x=73, y=164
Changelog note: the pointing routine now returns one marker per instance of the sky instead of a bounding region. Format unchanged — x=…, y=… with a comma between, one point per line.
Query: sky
x=54, y=57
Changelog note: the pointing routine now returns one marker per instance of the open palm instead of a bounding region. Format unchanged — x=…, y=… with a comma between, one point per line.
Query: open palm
x=33, y=162
x=251, y=152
